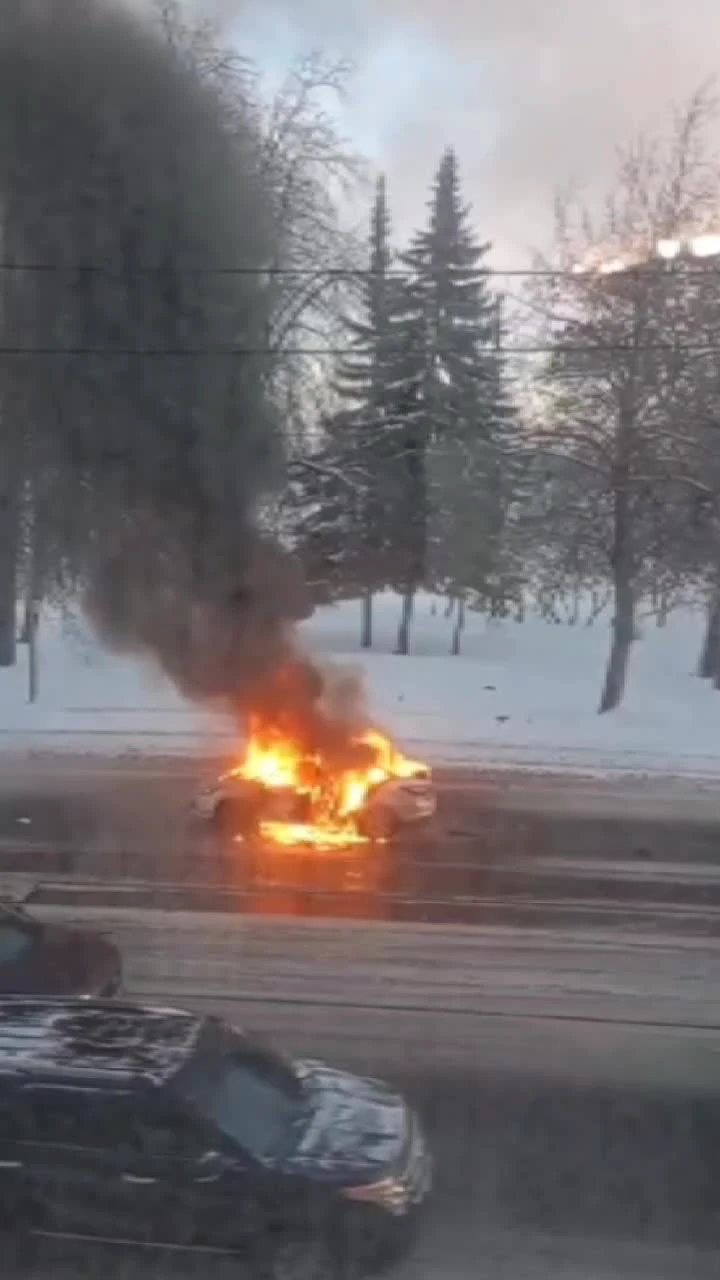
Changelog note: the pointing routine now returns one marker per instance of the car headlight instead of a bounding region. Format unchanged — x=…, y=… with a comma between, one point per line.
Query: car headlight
x=391, y=1194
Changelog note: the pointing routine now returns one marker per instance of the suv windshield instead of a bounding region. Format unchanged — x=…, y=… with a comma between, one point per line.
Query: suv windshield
x=249, y=1098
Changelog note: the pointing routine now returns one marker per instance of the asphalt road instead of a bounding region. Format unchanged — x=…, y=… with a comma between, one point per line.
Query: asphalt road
x=127, y=798
x=127, y=801
x=570, y=1084
x=452, y=998
x=494, y=1255
x=570, y=1087
x=505, y=849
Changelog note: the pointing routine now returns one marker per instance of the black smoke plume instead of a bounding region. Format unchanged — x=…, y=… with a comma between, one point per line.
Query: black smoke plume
x=135, y=217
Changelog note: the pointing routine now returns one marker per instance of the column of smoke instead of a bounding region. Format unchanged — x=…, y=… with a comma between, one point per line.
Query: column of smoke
x=127, y=197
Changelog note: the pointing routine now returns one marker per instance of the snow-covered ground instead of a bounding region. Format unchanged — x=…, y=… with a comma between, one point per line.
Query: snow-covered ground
x=521, y=695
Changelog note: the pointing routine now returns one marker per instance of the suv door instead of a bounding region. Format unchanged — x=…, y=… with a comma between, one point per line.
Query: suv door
x=73, y=1160
x=190, y=1193
x=128, y=1166
x=15, y=1179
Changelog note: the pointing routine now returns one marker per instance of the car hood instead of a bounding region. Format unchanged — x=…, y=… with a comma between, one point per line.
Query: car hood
x=353, y=1128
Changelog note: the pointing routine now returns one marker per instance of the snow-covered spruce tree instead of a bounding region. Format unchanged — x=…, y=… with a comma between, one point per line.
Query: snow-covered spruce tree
x=464, y=423
x=620, y=398
x=326, y=497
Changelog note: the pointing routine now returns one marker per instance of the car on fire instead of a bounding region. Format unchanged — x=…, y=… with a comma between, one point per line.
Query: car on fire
x=155, y=1127
x=237, y=805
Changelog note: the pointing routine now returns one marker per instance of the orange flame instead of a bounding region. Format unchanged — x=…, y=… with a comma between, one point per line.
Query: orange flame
x=334, y=798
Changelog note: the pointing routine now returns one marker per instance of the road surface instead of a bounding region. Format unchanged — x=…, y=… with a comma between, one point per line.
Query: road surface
x=160, y=787
x=490, y=1255
x=570, y=1086
x=585, y=1004
x=130, y=817
x=542, y=843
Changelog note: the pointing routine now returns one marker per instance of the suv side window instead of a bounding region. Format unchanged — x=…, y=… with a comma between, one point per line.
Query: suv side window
x=153, y=1128
x=162, y=1131
x=76, y=1117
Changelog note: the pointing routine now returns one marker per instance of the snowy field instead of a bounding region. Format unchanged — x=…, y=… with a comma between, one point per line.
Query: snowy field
x=521, y=695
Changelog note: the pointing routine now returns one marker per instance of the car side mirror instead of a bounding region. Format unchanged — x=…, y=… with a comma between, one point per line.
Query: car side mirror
x=209, y=1159
x=210, y=1166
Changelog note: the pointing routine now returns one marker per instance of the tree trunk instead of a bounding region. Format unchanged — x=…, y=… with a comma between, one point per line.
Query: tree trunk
x=623, y=634
x=459, y=626
x=24, y=637
x=403, y=635
x=9, y=542
x=366, y=633
x=33, y=623
x=709, y=663
x=33, y=598
x=711, y=649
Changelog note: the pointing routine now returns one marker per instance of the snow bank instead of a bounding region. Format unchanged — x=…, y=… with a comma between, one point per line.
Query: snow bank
x=520, y=695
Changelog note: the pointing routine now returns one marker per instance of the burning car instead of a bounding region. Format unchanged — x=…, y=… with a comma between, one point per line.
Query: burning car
x=283, y=795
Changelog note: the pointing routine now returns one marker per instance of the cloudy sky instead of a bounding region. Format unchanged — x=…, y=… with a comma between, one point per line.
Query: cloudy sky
x=534, y=94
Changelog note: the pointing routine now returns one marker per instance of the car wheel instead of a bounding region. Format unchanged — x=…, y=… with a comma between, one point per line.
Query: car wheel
x=18, y=1221
x=234, y=818
x=375, y=1243
x=378, y=823
x=305, y=1260
x=20, y=1252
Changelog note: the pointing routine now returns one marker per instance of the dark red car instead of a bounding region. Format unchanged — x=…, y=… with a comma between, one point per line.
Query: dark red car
x=54, y=960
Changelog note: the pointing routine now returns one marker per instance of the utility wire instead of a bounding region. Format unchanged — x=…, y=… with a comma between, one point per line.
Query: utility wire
x=699, y=349
x=345, y=273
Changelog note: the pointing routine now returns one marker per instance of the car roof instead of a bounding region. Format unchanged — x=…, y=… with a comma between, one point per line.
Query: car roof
x=94, y=1042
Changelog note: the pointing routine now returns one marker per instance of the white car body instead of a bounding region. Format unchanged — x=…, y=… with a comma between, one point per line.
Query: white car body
x=396, y=802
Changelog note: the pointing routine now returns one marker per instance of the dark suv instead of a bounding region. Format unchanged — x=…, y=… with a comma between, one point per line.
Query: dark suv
x=156, y=1126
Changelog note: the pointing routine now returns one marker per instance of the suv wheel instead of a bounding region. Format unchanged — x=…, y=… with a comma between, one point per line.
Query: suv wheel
x=20, y=1252
x=375, y=1243
x=304, y=1260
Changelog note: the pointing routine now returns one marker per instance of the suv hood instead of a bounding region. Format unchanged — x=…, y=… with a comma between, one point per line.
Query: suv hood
x=354, y=1127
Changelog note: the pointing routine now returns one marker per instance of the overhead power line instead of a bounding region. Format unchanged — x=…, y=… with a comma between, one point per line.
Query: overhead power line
x=123, y=271
x=151, y=353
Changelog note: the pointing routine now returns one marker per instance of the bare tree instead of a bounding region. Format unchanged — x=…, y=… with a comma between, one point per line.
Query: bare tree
x=315, y=177
x=134, y=194
x=616, y=394
x=50, y=514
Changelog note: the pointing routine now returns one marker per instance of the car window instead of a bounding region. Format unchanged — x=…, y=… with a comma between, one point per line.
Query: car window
x=166, y=1133
x=15, y=942
x=77, y=1117
x=249, y=1098
x=111, y=1122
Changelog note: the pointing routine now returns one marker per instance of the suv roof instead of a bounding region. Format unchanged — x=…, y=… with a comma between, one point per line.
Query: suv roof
x=94, y=1041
